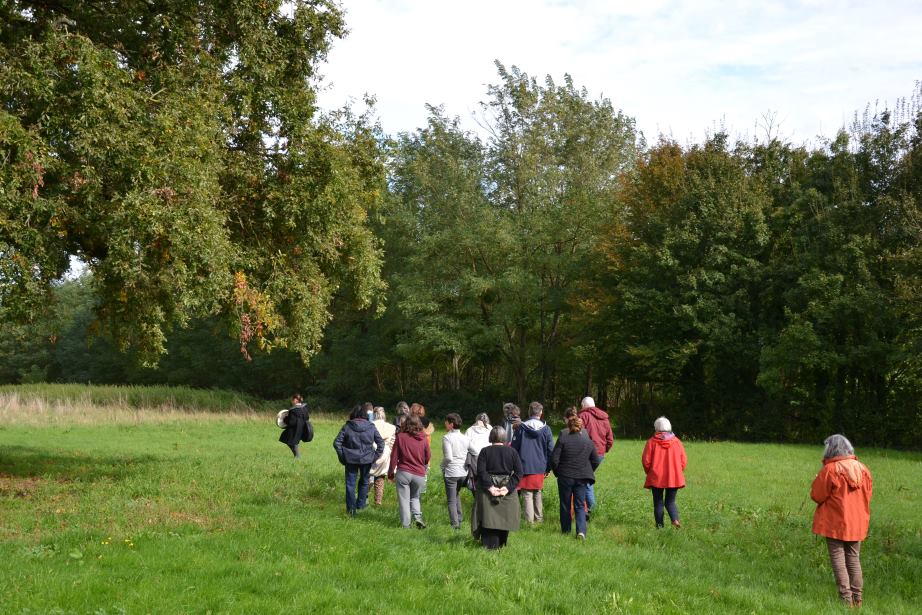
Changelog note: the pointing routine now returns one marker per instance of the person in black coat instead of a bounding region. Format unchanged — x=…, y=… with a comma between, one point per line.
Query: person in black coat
x=358, y=445
x=298, y=426
x=574, y=461
x=496, y=505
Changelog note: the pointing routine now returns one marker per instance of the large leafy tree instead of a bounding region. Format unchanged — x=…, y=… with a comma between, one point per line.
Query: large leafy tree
x=175, y=149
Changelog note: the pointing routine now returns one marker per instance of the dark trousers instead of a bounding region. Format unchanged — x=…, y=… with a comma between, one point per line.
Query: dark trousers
x=669, y=503
x=356, y=473
x=493, y=539
x=294, y=450
x=575, y=489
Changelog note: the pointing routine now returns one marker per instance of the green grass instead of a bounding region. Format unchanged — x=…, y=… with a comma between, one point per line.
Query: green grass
x=208, y=513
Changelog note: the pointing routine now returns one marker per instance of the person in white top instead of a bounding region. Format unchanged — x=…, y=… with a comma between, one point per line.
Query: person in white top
x=379, y=469
x=479, y=436
x=454, y=454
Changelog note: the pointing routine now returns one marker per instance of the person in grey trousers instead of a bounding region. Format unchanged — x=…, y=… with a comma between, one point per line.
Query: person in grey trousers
x=408, y=468
x=454, y=455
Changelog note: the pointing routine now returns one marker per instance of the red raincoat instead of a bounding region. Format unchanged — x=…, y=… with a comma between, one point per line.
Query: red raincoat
x=664, y=460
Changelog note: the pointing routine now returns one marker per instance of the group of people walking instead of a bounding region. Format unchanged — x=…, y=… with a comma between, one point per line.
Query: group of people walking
x=501, y=464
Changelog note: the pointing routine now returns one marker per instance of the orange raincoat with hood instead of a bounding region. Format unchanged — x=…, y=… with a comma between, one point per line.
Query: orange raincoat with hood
x=842, y=491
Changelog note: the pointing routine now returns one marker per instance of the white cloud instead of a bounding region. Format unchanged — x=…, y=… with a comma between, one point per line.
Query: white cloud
x=676, y=67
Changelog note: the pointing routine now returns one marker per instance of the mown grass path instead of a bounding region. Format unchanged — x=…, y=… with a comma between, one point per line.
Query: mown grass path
x=209, y=513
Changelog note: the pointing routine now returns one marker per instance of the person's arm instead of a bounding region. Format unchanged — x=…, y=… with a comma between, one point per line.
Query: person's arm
x=548, y=448
x=446, y=453
x=646, y=459
x=517, y=472
x=555, y=454
x=428, y=455
x=395, y=457
x=822, y=486
x=594, y=459
x=684, y=456
x=379, y=445
x=483, y=477
x=609, y=437
x=338, y=444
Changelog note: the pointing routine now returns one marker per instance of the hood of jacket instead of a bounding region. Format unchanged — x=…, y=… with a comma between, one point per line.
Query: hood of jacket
x=597, y=413
x=849, y=468
x=359, y=425
x=664, y=439
x=532, y=427
x=479, y=428
x=419, y=435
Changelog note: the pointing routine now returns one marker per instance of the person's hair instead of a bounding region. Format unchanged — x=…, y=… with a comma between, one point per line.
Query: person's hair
x=411, y=424
x=455, y=419
x=297, y=397
x=368, y=407
x=662, y=424
x=402, y=408
x=837, y=445
x=380, y=414
x=497, y=434
x=484, y=418
x=535, y=409
x=587, y=402
x=570, y=411
x=511, y=410
x=574, y=424
x=357, y=413
x=417, y=409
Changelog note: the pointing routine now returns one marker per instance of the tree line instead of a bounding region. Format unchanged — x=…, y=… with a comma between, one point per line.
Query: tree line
x=750, y=288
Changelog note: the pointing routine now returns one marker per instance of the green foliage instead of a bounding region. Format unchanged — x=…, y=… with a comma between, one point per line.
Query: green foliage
x=175, y=150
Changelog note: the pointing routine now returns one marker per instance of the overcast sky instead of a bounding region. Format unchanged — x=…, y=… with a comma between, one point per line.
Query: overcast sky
x=679, y=68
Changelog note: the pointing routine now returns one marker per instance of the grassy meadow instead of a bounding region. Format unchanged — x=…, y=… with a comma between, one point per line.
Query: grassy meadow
x=122, y=507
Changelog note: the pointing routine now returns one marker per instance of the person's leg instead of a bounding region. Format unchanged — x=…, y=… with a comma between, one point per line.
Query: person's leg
x=379, y=490
x=351, y=475
x=459, y=487
x=853, y=565
x=402, y=479
x=295, y=450
x=579, y=496
x=361, y=499
x=489, y=538
x=503, y=536
x=839, y=570
x=539, y=507
x=528, y=504
x=590, y=491
x=564, y=486
x=671, y=505
x=417, y=488
x=451, y=495
x=657, y=505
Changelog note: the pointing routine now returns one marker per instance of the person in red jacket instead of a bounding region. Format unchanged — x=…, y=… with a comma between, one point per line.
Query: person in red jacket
x=664, y=461
x=408, y=468
x=842, y=492
x=595, y=422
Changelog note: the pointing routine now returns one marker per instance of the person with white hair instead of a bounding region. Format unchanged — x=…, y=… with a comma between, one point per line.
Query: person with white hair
x=664, y=461
x=842, y=491
x=596, y=423
x=534, y=444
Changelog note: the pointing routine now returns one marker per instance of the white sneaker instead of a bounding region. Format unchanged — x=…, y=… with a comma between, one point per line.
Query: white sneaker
x=581, y=536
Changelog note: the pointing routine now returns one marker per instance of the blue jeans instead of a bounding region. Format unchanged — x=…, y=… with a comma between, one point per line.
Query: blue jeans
x=669, y=504
x=590, y=492
x=575, y=489
x=356, y=472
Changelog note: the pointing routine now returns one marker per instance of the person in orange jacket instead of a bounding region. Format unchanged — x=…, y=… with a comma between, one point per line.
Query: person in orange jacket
x=842, y=492
x=664, y=461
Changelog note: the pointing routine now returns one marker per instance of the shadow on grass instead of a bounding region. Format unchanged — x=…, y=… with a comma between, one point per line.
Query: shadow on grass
x=26, y=462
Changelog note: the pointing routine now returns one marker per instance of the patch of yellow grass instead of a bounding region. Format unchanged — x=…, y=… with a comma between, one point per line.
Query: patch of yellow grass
x=39, y=412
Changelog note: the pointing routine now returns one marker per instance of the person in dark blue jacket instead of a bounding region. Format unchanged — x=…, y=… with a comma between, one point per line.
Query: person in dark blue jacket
x=534, y=443
x=358, y=445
